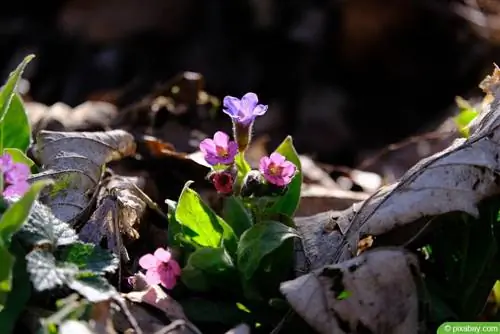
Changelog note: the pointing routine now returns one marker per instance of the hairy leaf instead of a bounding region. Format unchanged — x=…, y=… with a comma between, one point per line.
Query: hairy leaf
x=89, y=257
x=43, y=227
x=93, y=287
x=46, y=273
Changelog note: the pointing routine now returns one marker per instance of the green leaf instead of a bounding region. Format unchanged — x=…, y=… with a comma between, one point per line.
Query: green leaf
x=89, y=257
x=45, y=273
x=92, y=287
x=209, y=267
x=8, y=90
x=17, y=213
x=288, y=203
x=18, y=156
x=259, y=241
x=14, y=124
x=20, y=294
x=43, y=227
x=236, y=215
x=201, y=224
x=16, y=128
x=7, y=261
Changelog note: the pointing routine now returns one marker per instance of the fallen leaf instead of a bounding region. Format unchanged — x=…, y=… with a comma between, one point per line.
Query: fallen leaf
x=153, y=295
x=88, y=116
x=119, y=212
x=75, y=161
x=372, y=293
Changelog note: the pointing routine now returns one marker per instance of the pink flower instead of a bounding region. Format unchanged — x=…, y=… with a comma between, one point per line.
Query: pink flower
x=219, y=150
x=161, y=268
x=277, y=170
x=15, y=177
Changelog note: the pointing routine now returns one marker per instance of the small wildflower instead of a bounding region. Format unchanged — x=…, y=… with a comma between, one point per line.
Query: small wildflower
x=161, y=268
x=244, y=111
x=15, y=177
x=223, y=181
x=219, y=150
x=277, y=170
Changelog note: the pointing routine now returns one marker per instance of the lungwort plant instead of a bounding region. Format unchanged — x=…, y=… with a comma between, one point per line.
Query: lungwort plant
x=247, y=251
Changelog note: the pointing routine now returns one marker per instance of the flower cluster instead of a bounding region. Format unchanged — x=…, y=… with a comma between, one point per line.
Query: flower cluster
x=15, y=177
x=220, y=151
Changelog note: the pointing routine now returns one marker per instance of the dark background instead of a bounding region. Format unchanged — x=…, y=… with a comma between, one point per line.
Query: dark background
x=342, y=77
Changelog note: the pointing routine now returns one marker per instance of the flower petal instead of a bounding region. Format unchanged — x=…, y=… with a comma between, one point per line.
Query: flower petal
x=288, y=169
x=232, y=106
x=6, y=162
x=168, y=279
x=221, y=139
x=153, y=277
x=163, y=255
x=232, y=149
x=248, y=103
x=18, y=172
x=259, y=110
x=212, y=159
x=148, y=261
x=16, y=190
x=174, y=267
x=274, y=179
x=207, y=146
x=277, y=158
x=264, y=164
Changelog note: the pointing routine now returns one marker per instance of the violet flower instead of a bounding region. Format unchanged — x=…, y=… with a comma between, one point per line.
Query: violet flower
x=244, y=111
x=15, y=177
x=277, y=170
x=219, y=150
x=161, y=268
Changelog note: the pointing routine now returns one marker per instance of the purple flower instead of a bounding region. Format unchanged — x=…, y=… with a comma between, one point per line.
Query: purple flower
x=244, y=111
x=15, y=177
x=161, y=268
x=219, y=150
x=277, y=170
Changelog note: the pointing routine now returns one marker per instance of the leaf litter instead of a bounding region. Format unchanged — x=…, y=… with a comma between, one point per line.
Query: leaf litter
x=340, y=246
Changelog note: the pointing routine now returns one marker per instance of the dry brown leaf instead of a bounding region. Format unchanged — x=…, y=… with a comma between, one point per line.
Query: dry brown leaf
x=88, y=116
x=455, y=179
x=75, y=161
x=372, y=293
x=119, y=211
x=153, y=295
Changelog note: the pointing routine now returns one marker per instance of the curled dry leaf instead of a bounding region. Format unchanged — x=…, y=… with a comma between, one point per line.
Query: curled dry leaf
x=373, y=293
x=88, y=116
x=455, y=179
x=119, y=211
x=75, y=161
x=156, y=297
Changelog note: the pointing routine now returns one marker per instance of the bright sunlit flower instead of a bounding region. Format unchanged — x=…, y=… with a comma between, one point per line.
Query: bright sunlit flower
x=161, y=268
x=277, y=170
x=220, y=150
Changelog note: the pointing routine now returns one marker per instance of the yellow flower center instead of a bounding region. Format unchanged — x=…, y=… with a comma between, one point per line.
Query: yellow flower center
x=275, y=170
x=221, y=151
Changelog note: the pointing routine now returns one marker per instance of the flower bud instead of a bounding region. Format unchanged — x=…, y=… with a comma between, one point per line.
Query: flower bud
x=223, y=181
x=254, y=184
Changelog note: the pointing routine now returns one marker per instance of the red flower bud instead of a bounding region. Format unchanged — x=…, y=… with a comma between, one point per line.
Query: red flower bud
x=223, y=182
